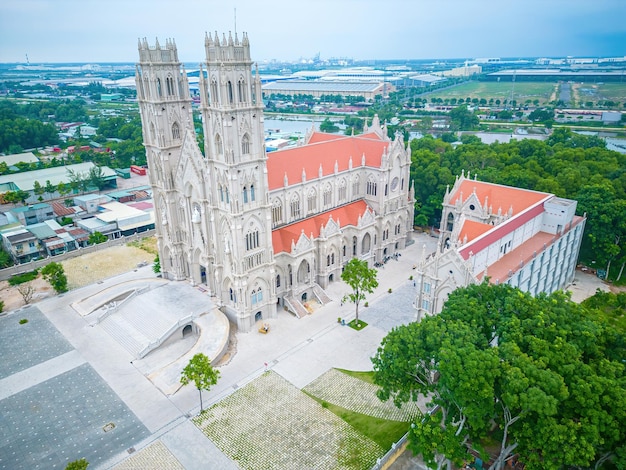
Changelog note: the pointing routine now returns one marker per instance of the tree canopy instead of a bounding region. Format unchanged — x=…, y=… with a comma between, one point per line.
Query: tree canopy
x=361, y=279
x=201, y=373
x=543, y=370
x=55, y=275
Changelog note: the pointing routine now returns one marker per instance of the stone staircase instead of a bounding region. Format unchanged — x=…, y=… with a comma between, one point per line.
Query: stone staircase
x=135, y=329
x=321, y=295
x=125, y=334
x=295, y=306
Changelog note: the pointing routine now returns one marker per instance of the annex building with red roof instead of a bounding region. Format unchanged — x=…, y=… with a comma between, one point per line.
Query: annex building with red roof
x=527, y=239
x=262, y=232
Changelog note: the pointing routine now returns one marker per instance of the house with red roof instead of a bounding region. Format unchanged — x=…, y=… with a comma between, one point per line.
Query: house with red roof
x=262, y=232
x=527, y=239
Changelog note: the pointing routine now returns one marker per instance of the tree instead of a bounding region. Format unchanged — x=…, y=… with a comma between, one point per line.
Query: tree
x=542, y=369
x=49, y=188
x=80, y=464
x=55, y=275
x=201, y=373
x=78, y=180
x=27, y=291
x=327, y=126
x=96, y=177
x=38, y=189
x=97, y=238
x=461, y=119
x=361, y=279
x=5, y=259
x=156, y=267
x=63, y=189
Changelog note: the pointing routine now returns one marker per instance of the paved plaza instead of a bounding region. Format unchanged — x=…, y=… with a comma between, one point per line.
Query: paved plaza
x=54, y=407
x=71, y=379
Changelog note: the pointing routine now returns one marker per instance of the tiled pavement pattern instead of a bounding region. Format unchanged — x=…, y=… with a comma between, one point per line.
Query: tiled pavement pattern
x=392, y=310
x=61, y=414
x=156, y=455
x=17, y=341
x=357, y=395
x=270, y=424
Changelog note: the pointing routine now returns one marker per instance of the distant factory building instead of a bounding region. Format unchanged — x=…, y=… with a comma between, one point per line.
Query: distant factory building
x=367, y=90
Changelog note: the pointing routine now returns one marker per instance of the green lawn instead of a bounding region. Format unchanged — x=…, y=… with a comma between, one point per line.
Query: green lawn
x=382, y=431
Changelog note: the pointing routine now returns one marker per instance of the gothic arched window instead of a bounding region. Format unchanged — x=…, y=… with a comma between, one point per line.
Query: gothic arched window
x=175, y=131
x=241, y=85
x=218, y=145
x=213, y=93
x=257, y=296
x=229, y=88
x=311, y=205
x=327, y=195
x=277, y=212
x=365, y=244
x=245, y=194
x=245, y=145
x=159, y=90
x=295, y=207
x=371, y=187
x=252, y=195
x=450, y=222
x=355, y=187
x=252, y=240
x=342, y=190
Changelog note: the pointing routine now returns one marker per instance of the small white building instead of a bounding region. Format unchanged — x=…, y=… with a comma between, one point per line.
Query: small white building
x=527, y=239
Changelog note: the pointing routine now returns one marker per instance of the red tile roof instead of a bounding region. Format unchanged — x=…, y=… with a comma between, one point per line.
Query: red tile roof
x=498, y=196
x=324, y=150
x=344, y=216
x=498, y=232
x=472, y=229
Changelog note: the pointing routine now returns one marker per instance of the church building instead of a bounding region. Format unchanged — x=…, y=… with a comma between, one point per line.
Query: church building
x=261, y=232
x=527, y=239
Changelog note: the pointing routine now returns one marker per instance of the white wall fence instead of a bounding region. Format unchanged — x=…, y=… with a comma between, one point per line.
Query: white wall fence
x=31, y=265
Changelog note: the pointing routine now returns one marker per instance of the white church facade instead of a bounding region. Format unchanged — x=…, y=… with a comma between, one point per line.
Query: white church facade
x=527, y=239
x=261, y=232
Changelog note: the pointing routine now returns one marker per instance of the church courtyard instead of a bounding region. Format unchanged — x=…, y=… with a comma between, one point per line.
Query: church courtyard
x=68, y=390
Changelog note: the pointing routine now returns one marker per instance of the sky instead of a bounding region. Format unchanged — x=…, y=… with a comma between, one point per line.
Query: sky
x=108, y=30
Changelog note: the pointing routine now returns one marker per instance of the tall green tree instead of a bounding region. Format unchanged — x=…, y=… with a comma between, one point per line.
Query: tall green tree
x=38, y=189
x=96, y=177
x=55, y=275
x=543, y=370
x=361, y=279
x=461, y=119
x=201, y=373
x=97, y=238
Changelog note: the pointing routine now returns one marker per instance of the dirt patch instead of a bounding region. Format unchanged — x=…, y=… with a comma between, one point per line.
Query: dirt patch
x=93, y=267
x=12, y=298
x=81, y=271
